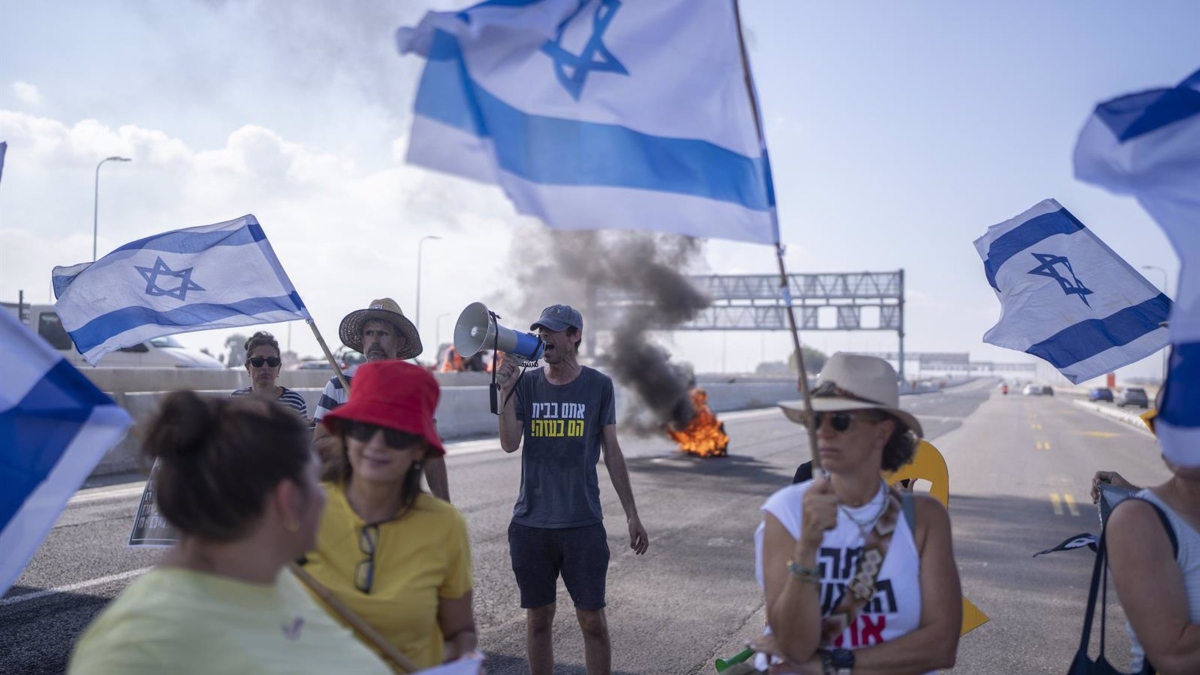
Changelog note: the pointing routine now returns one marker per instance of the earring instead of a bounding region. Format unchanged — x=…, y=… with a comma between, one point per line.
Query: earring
x=292, y=527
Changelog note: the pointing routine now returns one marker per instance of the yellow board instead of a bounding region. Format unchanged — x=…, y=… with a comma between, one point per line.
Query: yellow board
x=929, y=465
x=972, y=617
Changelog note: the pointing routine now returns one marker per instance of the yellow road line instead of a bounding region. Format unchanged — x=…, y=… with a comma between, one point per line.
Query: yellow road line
x=1042, y=445
x=1036, y=427
x=1070, y=504
x=1100, y=434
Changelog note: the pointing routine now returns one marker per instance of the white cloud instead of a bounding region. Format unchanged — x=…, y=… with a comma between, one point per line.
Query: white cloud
x=345, y=234
x=27, y=93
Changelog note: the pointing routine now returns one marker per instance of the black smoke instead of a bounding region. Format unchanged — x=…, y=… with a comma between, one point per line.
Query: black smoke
x=626, y=284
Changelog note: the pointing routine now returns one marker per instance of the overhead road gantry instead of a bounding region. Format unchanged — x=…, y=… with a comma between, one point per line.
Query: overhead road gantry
x=846, y=301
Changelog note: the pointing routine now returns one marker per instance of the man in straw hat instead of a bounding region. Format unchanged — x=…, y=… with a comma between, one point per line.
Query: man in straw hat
x=380, y=332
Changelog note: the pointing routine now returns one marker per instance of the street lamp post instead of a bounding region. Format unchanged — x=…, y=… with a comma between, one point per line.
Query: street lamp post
x=439, y=328
x=96, y=201
x=420, y=245
x=1166, y=292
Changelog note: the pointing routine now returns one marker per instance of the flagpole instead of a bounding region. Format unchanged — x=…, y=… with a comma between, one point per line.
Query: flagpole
x=784, y=288
x=401, y=663
x=328, y=354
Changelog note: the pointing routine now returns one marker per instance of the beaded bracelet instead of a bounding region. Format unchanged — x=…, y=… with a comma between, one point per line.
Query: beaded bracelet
x=810, y=575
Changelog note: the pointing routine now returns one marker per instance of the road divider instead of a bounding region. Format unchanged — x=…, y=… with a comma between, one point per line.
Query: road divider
x=1131, y=418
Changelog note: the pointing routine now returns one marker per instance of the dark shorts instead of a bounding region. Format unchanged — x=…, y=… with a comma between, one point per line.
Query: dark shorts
x=540, y=554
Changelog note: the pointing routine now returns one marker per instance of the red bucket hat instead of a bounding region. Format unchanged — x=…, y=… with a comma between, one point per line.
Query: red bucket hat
x=395, y=395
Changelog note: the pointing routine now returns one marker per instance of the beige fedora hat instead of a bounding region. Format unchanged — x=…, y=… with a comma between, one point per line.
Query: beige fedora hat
x=383, y=309
x=855, y=382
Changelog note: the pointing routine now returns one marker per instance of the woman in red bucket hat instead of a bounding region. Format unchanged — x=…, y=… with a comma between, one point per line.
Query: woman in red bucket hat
x=394, y=555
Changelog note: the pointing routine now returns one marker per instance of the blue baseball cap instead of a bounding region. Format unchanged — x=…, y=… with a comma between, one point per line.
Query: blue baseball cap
x=559, y=317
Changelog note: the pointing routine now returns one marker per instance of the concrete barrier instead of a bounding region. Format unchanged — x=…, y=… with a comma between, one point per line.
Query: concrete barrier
x=463, y=412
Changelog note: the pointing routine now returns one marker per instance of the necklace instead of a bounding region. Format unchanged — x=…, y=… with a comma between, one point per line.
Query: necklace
x=865, y=526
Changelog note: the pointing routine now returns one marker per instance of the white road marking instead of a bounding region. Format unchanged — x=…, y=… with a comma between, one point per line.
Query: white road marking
x=70, y=588
x=105, y=493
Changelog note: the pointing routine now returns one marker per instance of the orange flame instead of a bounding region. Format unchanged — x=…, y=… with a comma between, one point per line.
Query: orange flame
x=705, y=435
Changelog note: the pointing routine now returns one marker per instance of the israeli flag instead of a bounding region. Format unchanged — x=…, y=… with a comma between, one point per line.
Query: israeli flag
x=216, y=276
x=598, y=114
x=1148, y=145
x=1066, y=297
x=55, y=426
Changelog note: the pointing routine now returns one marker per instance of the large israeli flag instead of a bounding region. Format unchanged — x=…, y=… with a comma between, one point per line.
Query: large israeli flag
x=1066, y=297
x=598, y=114
x=1148, y=145
x=215, y=276
x=55, y=426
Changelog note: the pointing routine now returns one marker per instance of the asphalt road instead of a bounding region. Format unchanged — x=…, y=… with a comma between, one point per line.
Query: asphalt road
x=1019, y=470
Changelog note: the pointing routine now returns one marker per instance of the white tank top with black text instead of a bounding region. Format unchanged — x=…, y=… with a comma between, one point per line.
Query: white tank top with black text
x=896, y=608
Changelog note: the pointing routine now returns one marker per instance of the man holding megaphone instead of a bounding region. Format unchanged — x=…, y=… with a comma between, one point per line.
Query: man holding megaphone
x=566, y=415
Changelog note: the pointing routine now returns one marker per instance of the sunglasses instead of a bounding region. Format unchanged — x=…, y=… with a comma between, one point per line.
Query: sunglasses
x=364, y=572
x=363, y=432
x=258, y=361
x=840, y=421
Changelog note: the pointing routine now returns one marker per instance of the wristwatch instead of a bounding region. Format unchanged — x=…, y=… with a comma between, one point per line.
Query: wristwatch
x=841, y=660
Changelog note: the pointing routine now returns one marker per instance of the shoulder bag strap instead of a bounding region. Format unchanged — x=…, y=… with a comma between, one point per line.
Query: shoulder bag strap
x=861, y=589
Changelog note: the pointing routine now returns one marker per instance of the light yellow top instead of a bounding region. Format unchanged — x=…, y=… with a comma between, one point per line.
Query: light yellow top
x=421, y=557
x=173, y=620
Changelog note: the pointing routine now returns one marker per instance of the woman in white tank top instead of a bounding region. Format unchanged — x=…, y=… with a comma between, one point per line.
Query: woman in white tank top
x=1159, y=588
x=849, y=586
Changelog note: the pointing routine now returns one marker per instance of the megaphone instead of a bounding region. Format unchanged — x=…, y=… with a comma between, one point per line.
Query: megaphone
x=478, y=329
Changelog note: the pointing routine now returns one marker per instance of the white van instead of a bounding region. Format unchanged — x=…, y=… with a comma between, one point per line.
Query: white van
x=160, y=352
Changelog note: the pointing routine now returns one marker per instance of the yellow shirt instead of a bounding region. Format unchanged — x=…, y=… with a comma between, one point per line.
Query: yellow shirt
x=173, y=620
x=421, y=557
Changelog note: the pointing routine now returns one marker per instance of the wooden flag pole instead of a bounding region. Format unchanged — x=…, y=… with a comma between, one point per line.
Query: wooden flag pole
x=786, y=292
x=784, y=288
x=400, y=663
x=329, y=355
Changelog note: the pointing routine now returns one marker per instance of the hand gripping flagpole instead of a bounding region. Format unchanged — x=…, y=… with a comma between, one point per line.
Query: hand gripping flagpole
x=784, y=289
x=400, y=663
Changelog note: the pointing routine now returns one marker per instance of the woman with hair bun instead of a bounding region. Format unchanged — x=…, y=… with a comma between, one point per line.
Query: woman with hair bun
x=263, y=362
x=238, y=479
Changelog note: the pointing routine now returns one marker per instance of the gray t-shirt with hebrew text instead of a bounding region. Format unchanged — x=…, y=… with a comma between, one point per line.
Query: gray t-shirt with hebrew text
x=563, y=435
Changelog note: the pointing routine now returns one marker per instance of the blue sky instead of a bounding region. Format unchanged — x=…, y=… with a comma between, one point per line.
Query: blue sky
x=898, y=133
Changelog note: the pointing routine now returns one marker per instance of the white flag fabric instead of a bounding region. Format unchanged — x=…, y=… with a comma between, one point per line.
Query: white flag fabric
x=55, y=426
x=1066, y=297
x=598, y=114
x=215, y=276
x=1148, y=145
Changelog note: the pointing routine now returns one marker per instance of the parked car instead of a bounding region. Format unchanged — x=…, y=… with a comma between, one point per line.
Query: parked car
x=1047, y=390
x=1032, y=390
x=1100, y=394
x=159, y=352
x=1133, y=396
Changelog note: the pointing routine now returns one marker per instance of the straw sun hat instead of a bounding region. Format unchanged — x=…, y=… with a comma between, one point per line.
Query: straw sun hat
x=855, y=382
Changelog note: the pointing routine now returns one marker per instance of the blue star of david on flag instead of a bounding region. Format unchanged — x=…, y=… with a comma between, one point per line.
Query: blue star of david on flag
x=160, y=269
x=1047, y=269
x=1119, y=319
x=105, y=307
x=594, y=56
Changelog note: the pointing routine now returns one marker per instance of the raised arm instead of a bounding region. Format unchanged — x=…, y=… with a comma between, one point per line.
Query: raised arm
x=614, y=461
x=511, y=428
